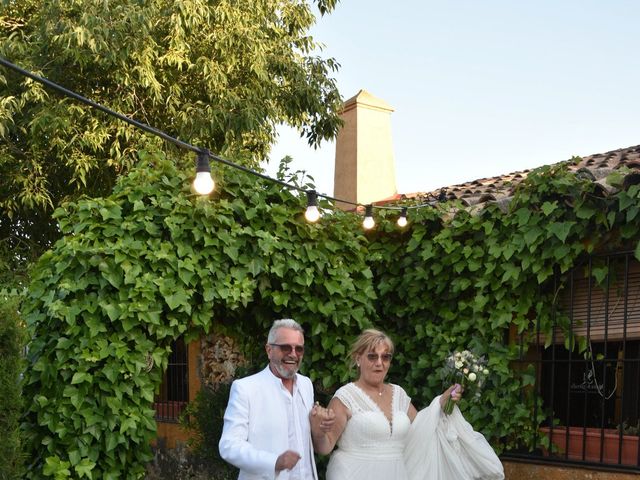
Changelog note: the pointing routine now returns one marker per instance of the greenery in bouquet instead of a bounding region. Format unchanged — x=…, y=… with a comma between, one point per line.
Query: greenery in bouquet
x=467, y=369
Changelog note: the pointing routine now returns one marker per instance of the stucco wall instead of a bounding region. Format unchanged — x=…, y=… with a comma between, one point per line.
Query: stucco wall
x=528, y=471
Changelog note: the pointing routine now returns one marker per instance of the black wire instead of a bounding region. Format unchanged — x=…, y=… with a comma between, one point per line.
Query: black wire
x=97, y=106
x=179, y=143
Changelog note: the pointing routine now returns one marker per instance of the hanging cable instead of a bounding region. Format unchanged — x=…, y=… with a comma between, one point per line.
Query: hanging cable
x=202, y=162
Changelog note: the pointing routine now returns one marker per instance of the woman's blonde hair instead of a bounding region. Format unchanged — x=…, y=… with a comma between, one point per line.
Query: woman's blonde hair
x=367, y=341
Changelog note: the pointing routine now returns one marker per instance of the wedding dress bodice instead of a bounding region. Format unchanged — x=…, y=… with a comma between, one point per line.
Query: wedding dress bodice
x=435, y=447
x=369, y=432
x=372, y=445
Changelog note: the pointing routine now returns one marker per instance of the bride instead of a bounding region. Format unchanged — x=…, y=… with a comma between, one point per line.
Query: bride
x=380, y=435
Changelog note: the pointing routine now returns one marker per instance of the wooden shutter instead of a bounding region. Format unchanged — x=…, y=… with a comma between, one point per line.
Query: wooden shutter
x=600, y=311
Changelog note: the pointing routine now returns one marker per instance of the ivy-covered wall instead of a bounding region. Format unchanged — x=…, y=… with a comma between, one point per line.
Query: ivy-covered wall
x=470, y=280
x=153, y=261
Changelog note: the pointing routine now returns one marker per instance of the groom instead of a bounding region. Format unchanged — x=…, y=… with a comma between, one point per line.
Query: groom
x=266, y=431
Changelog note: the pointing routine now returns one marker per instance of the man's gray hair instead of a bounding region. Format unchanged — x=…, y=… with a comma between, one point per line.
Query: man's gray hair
x=283, y=323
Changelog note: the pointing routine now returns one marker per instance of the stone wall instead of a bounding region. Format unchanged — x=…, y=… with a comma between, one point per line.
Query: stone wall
x=219, y=358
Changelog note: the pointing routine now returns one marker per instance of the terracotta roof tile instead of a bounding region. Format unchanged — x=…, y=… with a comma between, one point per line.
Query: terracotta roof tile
x=594, y=167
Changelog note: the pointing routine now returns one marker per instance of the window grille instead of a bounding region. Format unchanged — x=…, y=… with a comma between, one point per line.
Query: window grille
x=588, y=372
x=174, y=390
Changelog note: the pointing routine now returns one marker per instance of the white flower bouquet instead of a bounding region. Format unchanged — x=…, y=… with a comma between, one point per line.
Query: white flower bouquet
x=467, y=369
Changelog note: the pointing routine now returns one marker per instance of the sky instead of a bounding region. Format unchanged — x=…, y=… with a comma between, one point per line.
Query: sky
x=482, y=88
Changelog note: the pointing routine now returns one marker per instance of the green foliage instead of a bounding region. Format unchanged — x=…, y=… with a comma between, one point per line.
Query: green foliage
x=203, y=417
x=12, y=339
x=152, y=262
x=445, y=286
x=219, y=74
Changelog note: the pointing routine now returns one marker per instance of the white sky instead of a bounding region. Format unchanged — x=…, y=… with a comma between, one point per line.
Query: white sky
x=483, y=88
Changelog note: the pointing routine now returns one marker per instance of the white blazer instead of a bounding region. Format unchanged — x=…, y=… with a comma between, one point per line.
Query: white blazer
x=254, y=432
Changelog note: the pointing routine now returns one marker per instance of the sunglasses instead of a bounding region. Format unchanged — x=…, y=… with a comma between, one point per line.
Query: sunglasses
x=385, y=357
x=287, y=349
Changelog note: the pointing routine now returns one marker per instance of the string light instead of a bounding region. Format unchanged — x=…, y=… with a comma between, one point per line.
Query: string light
x=368, y=223
x=402, y=219
x=203, y=183
x=312, y=214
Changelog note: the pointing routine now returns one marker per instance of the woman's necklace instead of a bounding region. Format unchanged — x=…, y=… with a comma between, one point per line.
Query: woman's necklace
x=380, y=392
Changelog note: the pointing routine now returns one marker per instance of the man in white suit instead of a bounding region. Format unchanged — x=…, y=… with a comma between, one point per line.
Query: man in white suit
x=266, y=431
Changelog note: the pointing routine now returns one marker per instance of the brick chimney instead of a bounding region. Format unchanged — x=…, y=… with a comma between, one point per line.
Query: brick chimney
x=365, y=167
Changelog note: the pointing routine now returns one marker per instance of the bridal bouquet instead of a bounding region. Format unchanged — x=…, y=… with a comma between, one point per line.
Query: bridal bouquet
x=467, y=369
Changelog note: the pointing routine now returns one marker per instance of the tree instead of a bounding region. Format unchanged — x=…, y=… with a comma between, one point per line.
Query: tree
x=12, y=337
x=219, y=74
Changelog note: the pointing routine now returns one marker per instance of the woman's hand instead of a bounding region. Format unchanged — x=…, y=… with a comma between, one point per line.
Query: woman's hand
x=454, y=392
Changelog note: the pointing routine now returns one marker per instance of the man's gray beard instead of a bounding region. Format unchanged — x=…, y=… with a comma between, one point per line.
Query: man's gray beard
x=285, y=373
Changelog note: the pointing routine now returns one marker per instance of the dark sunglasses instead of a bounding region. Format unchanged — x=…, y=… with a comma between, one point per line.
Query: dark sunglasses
x=287, y=349
x=385, y=357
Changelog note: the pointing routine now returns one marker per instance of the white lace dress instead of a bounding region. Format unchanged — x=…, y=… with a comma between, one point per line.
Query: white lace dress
x=435, y=447
x=371, y=447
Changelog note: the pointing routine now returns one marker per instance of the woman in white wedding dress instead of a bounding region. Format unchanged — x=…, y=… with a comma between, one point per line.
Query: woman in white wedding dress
x=374, y=434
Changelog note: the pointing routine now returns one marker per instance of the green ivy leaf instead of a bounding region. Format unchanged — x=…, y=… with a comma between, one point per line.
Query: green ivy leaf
x=56, y=467
x=600, y=273
x=523, y=214
x=178, y=299
x=626, y=200
x=585, y=212
x=532, y=235
x=80, y=377
x=85, y=468
x=549, y=207
x=561, y=229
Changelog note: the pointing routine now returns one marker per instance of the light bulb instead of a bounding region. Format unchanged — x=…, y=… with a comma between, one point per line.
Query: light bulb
x=402, y=219
x=312, y=214
x=368, y=223
x=203, y=184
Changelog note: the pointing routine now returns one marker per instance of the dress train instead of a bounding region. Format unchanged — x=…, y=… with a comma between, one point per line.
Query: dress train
x=445, y=447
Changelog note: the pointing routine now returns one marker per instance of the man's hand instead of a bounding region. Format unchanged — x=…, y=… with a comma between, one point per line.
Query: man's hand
x=287, y=460
x=322, y=419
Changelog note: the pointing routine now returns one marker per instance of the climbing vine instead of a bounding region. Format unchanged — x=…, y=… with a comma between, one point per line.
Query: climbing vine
x=482, y=278
x=152, y=261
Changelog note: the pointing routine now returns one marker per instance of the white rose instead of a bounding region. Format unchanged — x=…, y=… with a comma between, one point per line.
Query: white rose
x=476, y=368
x=472, y=377
x=459, y=364
x=485, y=371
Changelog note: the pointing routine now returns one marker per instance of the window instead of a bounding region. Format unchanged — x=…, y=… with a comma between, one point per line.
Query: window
x=174, y=390
x=590, y=394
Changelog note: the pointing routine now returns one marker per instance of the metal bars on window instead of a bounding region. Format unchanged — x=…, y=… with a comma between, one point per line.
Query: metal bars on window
x=588, y=366
x=174, y=390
